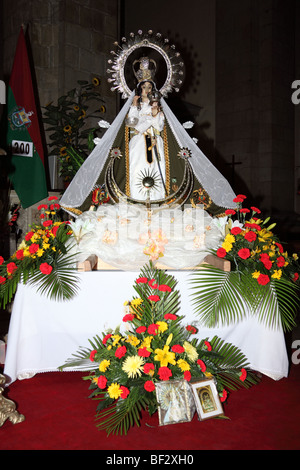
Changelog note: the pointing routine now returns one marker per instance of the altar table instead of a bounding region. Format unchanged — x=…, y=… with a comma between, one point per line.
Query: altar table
x=44, y=334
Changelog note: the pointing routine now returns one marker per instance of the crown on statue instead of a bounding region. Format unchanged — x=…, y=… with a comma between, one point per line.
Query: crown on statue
x=147, y=69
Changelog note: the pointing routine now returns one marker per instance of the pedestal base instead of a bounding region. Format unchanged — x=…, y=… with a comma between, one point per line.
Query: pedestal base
x=8, y=409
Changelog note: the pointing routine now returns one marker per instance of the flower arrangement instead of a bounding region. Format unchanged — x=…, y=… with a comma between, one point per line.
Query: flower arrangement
x=262, y=272
x=71, y=138
x=41, y=258
x=155, y=346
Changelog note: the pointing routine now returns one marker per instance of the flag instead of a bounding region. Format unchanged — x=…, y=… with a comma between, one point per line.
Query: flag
x=26, y=168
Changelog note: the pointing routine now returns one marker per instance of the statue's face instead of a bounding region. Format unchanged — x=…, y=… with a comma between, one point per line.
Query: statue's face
x=146, y=88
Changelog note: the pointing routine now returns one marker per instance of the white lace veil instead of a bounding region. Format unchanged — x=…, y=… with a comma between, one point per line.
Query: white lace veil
x=208, y=176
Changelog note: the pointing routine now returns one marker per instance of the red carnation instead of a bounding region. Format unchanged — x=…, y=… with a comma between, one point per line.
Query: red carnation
x=250, y=236
x=143, y=352
x=28, y=236
x=149, y=386
x=106, y=337
x=2, y=280
x=223, y=396
x=11, y=267
x=208, y=345
x=53, y=198
x=47, y=223
x=141, y=329
x=45, y=268
x=187, y=375
x=20, y=254
x=242, y=196
x=1, y=260
x=296, y=277
x=280, y=247
x=243, y=375
x=164, y=288
x=125, y=392
x=154, y=286
x=255, y=210
x=177, y=348
x=148, y=367
x=230, y=212
x=128, y=317
x=34, y=248
x=263, y=279
x=280, y=261
x=154, y=298
x=236, y=230
x=191, y=329
x=221, y=253
x=170, y=316
x=102, y=381
x=244, y=253
x=238, y=199
x=54, y=230
x=202, y=365
x=244, y=211
x=93, y=354
x=164, y=373
x=153, y=328
x=142, y=280
x=120, y=351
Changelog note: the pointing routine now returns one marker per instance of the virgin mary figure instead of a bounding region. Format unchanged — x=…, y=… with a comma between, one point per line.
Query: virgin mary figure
x=146, y=156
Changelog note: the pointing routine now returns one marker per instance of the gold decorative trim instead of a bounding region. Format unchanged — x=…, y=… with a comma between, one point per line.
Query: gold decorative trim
x=167, y=159
x=72, y=209
x=8, y=409
x=127, y=187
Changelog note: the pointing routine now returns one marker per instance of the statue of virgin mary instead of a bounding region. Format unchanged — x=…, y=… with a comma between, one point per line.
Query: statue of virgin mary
x=148, y=162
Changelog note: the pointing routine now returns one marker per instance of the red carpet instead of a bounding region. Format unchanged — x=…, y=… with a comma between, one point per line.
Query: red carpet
x=59, y=416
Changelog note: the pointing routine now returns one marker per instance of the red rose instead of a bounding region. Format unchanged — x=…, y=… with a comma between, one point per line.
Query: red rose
x=164, y=373
x=255, y=210
x=250, y=236
x=208, y=345
x=230, y=212
x=164, y=288
x=34, y=248
x=154, y=298
x=170, y=316
x=1, y=260
x=243, y=375
x=102, y=381
x=148, y=367
x=106, y=338
x=187, y=375
x=120, y=351
x=236, y=230
x=223, y=396
x=280, y=261
x=221, y=253
x=143, y=352
x=128, y=317
x=244, y=253
x=177, y=348
x=2, y=280
x=149, y=386
x=142, y=280
x=153, y=328
x=45, y=268
x=141, y=329
x=20, y=254
x=125, y=392
x=93, y=354
x=11, y=267
x=263, y=279
x=202, y=365
x=28, y=236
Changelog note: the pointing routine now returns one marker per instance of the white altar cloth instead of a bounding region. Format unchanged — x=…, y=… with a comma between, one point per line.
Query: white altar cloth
x=44, y=333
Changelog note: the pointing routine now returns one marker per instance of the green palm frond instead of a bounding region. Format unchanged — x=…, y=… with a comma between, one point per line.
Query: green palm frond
x=222, y=297
x=63, y=281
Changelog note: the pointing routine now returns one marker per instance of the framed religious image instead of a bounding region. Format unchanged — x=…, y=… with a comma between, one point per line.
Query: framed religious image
x=206, y=398
x=175, y=402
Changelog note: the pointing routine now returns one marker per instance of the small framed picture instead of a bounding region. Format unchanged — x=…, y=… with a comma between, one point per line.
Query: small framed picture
x=175, y=402
x=206, y=398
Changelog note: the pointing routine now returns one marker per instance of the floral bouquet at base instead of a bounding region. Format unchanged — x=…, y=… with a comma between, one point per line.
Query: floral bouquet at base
x=155, y=347
x=264, y=279
x=42, y=259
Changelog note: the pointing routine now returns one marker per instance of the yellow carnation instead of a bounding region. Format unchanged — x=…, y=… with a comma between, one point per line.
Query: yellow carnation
x=183, y=365
x=114, y=391
x=103, y=366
